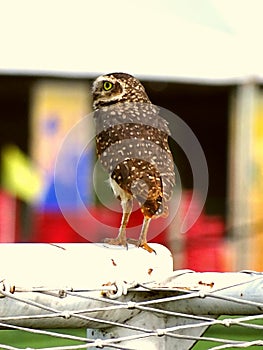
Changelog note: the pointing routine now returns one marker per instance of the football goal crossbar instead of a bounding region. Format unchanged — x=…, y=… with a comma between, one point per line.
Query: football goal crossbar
x=125, y=299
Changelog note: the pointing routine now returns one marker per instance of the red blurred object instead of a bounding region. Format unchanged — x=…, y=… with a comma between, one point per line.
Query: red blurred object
x=51, y=226
x=9, y=208
x=205, y=244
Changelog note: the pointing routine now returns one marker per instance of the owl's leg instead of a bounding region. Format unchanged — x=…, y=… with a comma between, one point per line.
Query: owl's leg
x=121, y=238
x=142, y=242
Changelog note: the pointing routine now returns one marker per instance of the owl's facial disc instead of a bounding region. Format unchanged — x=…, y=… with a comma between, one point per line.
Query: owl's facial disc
x=113, y=88
x=106, y=91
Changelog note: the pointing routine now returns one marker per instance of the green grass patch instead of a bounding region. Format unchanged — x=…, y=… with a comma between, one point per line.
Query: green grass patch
x=23, y=340
x=234, y=332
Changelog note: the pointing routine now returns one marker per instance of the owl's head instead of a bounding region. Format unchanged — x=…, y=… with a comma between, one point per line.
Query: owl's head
x=114, y=88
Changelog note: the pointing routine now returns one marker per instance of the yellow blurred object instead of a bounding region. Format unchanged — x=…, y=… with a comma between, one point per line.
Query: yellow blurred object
x=19, y=176
x=256, y=196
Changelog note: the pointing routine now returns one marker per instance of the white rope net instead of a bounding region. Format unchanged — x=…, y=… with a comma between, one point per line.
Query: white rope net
x=169, y=314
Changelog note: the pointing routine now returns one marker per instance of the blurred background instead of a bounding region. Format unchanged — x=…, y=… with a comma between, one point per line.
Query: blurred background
x=200, y=59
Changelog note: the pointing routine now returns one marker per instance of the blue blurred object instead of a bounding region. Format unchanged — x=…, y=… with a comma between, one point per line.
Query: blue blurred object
x=74, y=183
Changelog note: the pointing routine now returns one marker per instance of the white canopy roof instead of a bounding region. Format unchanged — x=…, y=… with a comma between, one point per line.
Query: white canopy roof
x=216, y=41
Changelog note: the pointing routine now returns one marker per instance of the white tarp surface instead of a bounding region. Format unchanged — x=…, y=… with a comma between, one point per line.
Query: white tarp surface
x=189, y=40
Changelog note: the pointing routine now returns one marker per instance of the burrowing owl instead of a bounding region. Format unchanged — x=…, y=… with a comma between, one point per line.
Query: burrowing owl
x=132, y=145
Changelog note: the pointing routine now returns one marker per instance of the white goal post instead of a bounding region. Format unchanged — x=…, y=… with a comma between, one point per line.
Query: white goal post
x=127, y=299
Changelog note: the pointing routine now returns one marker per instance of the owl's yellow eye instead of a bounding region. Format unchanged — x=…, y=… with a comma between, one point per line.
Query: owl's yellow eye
x=107, y=85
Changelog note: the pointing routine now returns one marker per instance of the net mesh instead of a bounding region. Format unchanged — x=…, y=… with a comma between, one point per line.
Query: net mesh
x=32, y=310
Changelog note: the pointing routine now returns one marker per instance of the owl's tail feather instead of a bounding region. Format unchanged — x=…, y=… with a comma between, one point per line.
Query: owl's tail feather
x=153, y=208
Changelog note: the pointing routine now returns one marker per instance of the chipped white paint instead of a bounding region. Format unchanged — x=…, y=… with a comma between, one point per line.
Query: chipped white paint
x=81, y=265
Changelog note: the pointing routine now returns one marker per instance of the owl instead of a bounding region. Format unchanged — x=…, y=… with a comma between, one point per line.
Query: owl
x=132, y=146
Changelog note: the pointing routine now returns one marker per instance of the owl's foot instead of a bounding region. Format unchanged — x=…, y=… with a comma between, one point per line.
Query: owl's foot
x=141, y=244
x=117, y=241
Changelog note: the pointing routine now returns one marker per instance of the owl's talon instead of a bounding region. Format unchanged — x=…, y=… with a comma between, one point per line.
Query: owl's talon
x=147, y=247
x=116, y=241
x=141, y=244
